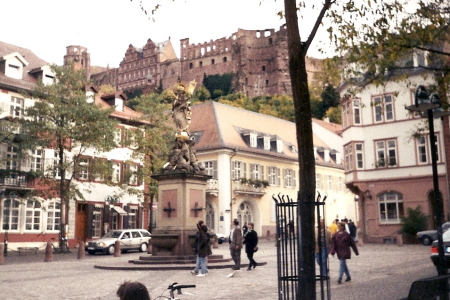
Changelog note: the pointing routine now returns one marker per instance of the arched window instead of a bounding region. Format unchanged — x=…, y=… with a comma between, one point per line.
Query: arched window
x=209, y=216
x=33, y=215
x=53, y=215
x=10, y=214
x=391, y=207
x=244, y=213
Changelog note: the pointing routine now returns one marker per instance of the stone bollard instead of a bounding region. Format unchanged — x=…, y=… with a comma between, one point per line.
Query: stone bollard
x=117, y=249
x=48, y=252
x=268, y=235
x=81, y=252
x=2, y=257
x=149, y=248
x=400, y=239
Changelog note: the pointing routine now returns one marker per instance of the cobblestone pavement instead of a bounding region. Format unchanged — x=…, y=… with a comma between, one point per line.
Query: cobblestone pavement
x=379, y=272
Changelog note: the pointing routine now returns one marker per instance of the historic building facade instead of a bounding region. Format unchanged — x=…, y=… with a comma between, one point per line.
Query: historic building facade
x=33, y=221
x=257, y=58
x=387, y=155
x=253, y=157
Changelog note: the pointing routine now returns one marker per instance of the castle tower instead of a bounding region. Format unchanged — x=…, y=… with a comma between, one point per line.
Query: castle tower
x=79, y=56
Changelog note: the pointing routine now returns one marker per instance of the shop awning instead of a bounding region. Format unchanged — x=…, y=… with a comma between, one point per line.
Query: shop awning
x=119, y=210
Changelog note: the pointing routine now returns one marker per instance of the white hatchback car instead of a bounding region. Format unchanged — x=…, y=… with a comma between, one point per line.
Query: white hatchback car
x=130, y=239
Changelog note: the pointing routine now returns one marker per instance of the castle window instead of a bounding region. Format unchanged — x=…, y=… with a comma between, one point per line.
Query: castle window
x=191, y=65
x=270, y=41
x=200, y=64
x=212, y=61
x=267, y=82
x=225, y=59
x=263, y=68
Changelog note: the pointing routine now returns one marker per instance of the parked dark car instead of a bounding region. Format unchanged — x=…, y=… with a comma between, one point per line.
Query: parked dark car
x=130, y=239
x=434, y=249
x=428, y=236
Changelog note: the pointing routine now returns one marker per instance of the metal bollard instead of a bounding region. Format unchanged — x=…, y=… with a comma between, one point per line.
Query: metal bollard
x=117, y=249
x=2, y=257
x=48, y=252
x=81, y=252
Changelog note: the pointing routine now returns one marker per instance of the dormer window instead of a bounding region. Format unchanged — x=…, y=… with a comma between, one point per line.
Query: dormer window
x=14, y=71
x=12, y=65
x=266, y=143
x=253, y=140
x=279, y=146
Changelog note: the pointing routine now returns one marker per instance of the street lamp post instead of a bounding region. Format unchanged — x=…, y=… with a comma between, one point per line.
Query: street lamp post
x=431, y=106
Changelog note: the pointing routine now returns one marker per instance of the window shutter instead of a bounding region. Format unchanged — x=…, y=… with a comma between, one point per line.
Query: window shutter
x=125, y=218
x=252, y=173
x=278, y=177
x=214, y=165
x=233, y=176
x=261, y=167
x=244, y=167
x=139, y=218
x=294, y=180
x=90, y=219
x=284, y=177
x=106, y=214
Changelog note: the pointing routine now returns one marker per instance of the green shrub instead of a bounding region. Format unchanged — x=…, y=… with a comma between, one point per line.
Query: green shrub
x=414, y=221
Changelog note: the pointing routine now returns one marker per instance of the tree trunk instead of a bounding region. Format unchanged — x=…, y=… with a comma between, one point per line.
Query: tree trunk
x=306, y=195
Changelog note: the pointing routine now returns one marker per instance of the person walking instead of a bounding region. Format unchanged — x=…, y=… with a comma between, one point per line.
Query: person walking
x=321, y=250
x=204, y=249
x=341, y=242
x=195, y=249
x=236, y=244
x=333, y=228
x=352, y=229
x=251, y=245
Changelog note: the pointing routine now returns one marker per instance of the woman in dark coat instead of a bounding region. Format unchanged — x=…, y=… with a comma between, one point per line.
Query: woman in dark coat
x=204, y=248
x=250, y=241
x=340, y=245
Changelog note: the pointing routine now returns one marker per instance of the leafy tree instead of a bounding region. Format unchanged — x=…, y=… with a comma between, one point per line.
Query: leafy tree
x=64, y=120
x=201, y=94
x=153, y=142
x=335, y=114
x=218, y=82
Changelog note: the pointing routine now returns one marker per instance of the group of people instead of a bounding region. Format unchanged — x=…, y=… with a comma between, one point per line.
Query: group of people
x=343, y=239
x=238, y=238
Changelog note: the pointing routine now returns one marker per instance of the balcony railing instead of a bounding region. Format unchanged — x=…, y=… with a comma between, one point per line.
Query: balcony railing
x=248, y=188
x=17, y=180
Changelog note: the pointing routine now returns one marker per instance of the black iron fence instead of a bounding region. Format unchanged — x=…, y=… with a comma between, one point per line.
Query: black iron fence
x=288, y=251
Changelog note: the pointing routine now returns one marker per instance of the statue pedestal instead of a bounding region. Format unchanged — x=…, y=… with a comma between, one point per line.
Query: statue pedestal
x=182, y=201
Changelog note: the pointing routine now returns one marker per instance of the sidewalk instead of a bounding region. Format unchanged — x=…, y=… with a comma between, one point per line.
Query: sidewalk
x=379, y=272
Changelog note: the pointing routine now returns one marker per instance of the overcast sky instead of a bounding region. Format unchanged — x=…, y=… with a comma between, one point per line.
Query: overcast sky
x=107, y=27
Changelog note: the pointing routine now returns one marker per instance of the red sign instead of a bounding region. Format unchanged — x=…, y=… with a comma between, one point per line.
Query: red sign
x=154, y=206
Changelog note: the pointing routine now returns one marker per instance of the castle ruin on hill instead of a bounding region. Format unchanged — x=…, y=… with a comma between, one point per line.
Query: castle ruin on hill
x=258, y=60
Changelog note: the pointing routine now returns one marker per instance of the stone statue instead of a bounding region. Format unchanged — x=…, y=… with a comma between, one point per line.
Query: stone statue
x=182, y=159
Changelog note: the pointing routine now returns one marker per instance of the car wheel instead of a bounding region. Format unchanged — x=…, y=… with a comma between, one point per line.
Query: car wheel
x=426, y=240
x=143, y=247
x=110, y=250
x=91, y=252
x=220, y=241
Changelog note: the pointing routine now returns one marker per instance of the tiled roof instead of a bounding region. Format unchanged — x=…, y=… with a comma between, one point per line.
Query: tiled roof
x=34, y=62
x=218, y=126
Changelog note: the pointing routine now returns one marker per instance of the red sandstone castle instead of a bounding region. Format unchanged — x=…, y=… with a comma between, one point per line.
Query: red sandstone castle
x=257, y=59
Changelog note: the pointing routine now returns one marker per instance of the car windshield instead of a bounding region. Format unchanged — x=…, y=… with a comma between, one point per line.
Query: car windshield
x=112, y=234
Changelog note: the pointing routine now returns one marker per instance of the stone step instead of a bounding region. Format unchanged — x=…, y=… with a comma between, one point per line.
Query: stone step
x=176, y=261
